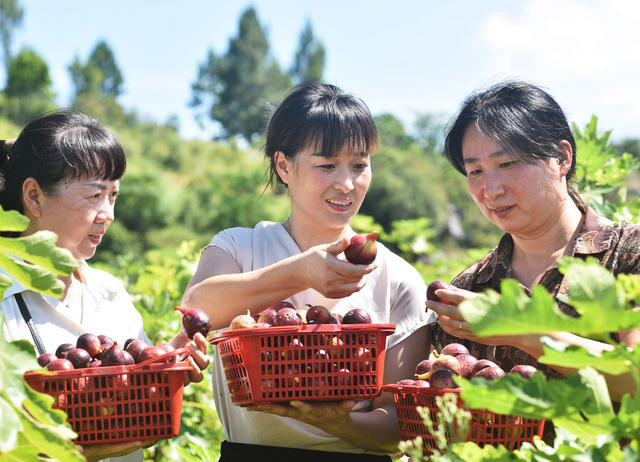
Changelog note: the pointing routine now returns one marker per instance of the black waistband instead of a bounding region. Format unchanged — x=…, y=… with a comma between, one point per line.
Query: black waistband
x=240, y=452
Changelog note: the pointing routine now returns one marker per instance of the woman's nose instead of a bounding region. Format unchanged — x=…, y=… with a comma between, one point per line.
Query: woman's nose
x=344, y=180
x=494, y=186
x=106, y=212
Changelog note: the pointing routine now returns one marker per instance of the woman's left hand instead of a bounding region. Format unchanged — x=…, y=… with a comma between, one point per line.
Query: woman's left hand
x=322, y=414
x=197, y=359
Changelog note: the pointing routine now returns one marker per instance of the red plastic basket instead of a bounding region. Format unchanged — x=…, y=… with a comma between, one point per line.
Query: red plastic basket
x=485, y=427
x=118, y=403
x=309, y=362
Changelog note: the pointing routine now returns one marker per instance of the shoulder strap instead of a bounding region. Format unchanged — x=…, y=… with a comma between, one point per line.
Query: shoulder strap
x=32, y=327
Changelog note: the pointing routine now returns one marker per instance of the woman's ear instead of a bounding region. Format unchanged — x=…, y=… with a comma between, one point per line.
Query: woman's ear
x=32, y=197
x=283, y=166
x=567, y=156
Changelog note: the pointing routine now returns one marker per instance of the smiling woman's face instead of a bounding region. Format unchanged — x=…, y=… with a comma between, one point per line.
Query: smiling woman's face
x=79, y=213
x=521, y=198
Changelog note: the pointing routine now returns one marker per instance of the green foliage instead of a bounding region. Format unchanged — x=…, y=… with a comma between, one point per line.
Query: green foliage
x=309, y=59
x=29, y=426
x=11, y=14
x=28, y=92
x=601, y=173
x=235, y=88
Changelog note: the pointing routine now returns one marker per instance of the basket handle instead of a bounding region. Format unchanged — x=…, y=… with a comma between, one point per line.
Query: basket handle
x=161, y=357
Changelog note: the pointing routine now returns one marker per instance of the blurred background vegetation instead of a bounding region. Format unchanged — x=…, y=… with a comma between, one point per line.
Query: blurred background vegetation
x=178, y=193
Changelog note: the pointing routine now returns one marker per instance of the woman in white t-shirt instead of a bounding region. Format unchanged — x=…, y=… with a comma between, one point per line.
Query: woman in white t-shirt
x=63, y=173
x=319, y=142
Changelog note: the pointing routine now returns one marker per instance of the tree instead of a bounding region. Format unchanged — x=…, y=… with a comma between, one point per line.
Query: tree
x=28, y=92
x=97, y=85
x=308, y=65
x=237, y=86
x=100, y=75
x=10, y=18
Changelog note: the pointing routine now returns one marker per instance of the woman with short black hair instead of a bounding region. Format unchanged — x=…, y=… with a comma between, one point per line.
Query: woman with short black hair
x=514, y=145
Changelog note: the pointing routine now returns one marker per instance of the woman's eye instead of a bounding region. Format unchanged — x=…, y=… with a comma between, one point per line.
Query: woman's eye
x=361, y=166
x=475, y=172
x=508, y=164
x=327, y=166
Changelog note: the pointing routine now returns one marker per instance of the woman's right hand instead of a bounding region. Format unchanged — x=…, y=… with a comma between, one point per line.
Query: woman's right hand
x=97, y=452
x=331, y=276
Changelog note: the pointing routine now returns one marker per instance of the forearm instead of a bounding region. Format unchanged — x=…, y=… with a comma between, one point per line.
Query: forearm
x=225, y=296
x=376, y=430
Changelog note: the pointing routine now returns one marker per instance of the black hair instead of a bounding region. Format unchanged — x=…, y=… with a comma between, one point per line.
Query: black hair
x=519, y=116
x=322, y=116
x=58, y=147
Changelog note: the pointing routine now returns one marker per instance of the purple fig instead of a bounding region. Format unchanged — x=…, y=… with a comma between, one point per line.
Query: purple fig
x=442, y=378
x=356, y=316
x=114, y=356
x=79, y=357
x=127, y=342
x=318, y=314
x=523, y=370
x=423, y=367
x=454, y=349
x=282, y=304
x=490, y=373
x=105, y=341
x=446, y=362
x=135, y=349
x=287, y=317
x=46, y=358
x=406, y=382
x=362, y=249
x=63, y=349
x=90, y=343
x=267, y=316
x=422, y=383
x=482, y=364
x=436, y=285
x=60, y=364
x=194, y=321
x=467, y=363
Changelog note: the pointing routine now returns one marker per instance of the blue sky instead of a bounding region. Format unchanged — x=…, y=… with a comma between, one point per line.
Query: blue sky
x=405, y=57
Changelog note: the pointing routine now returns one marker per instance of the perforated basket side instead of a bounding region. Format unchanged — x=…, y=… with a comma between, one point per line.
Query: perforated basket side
x=117, y=405
x=235, y=370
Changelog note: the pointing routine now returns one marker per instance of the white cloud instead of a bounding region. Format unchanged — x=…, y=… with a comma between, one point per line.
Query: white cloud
x=584, y=52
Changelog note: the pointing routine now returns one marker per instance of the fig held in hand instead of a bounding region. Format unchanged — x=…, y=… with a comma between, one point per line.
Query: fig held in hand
x=362, y=249
x=436, y=285
x=194, y=321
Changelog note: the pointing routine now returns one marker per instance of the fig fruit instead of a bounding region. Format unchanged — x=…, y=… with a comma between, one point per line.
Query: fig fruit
x=490, y=373
x=60, y=364
x=79, y=357
x=46, y=358
x=356, y=316
x=287, y=317
x=267, y=316
x=362, y=249
x=454, y=349
x=446, y=362
x=105, y=341
x=127, y=342
x=260, y=325
x=482, y=364
x=114, y=356
x=282, y=304
x=442, y=378
x=421, y=383
x=135, y=349
x=63, y=349
x=318, y=314
x=406, y=382
x=435, y=285
x=423, y=367
x=523, y=370
x=194, y=321
x=242, y=321
x=90, y=343
x=467, y=363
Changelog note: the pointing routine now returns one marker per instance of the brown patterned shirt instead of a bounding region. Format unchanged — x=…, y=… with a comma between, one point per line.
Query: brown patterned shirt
x=615, y=245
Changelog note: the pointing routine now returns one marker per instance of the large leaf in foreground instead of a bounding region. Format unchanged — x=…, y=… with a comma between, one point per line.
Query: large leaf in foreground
x=595, y=296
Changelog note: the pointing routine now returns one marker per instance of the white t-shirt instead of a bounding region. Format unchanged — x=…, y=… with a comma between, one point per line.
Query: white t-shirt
x=106, y=309
x=394, y=293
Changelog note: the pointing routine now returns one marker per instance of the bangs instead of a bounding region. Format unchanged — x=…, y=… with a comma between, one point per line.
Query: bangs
x=343, y=126
x=91, y=153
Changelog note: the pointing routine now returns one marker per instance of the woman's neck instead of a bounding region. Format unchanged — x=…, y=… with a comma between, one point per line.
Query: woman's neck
x=307, y=235
x=533, y=255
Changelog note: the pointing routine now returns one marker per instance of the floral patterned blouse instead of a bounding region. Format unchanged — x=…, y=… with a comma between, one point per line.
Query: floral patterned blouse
x=615, y=245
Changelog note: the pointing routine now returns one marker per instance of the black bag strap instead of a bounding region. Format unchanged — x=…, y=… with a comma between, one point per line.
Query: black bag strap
x=32, y=327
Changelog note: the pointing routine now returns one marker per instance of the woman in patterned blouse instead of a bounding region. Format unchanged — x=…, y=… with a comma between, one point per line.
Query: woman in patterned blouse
x=515, y=147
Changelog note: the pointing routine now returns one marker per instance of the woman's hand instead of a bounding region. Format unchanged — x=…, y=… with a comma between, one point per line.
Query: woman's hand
x=197, y=359
x=326, y=415
x=331, y=276
x=451, y=321
x=96, y=452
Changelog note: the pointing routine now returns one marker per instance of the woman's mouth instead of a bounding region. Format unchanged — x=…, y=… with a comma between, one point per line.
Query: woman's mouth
x=501, y=211
x=95, y=239
x=339, y=205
